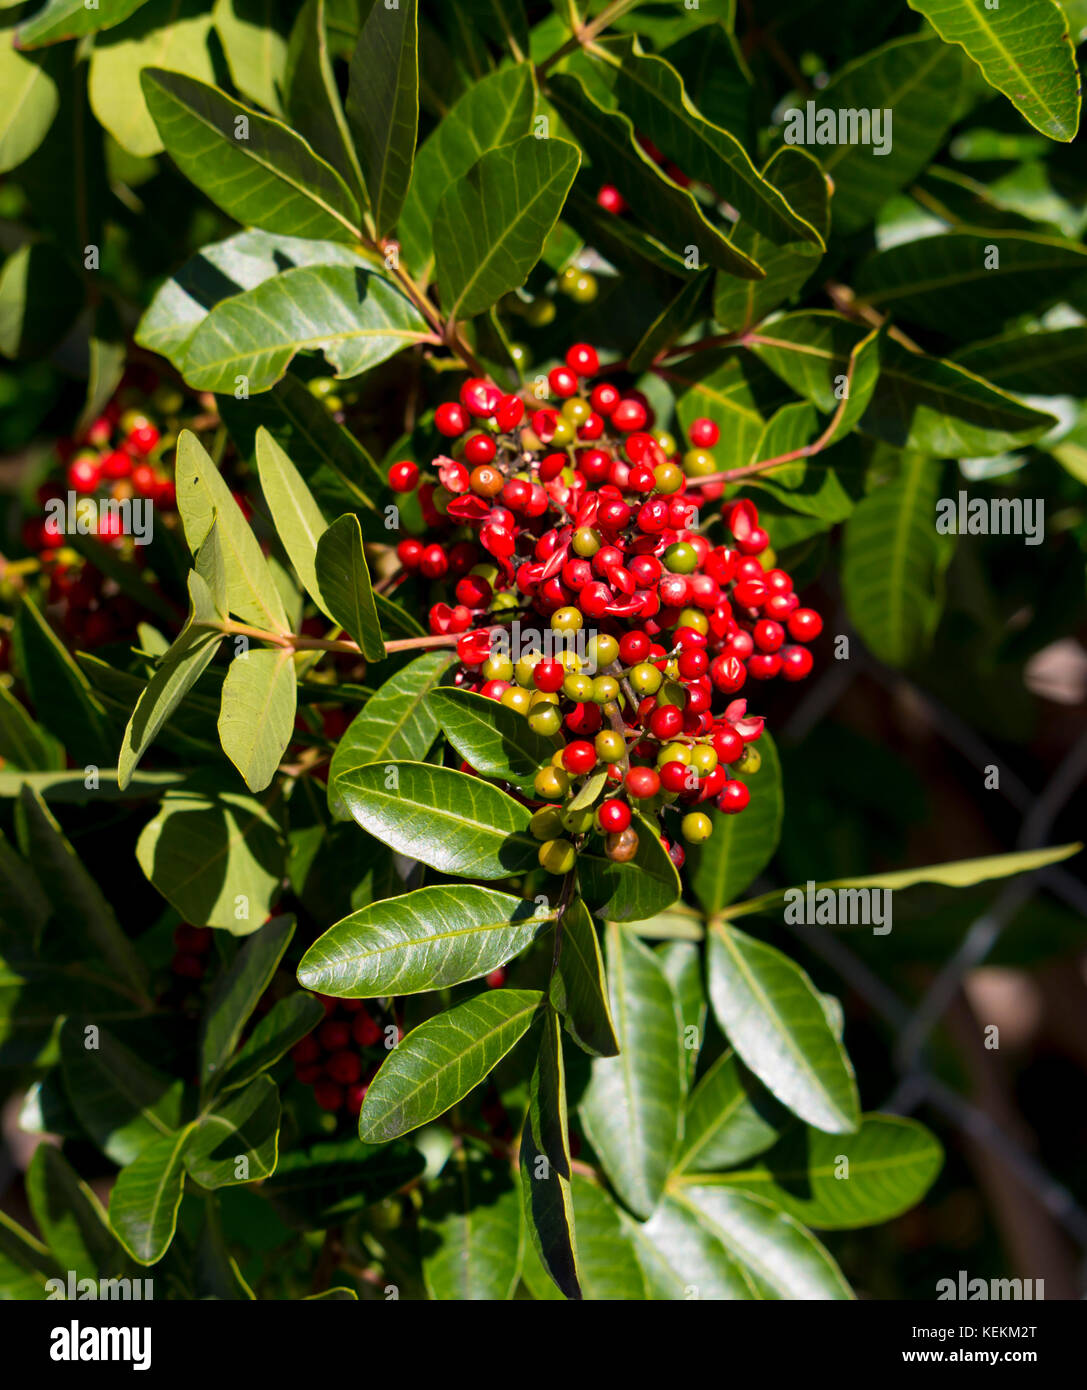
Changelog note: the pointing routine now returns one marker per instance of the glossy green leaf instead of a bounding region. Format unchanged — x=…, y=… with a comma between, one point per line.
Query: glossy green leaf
x=255, y=48
x=121, y=1102
x=287, y=1022
x=61, y=694
x=25, y=1264
x=430, y=939
x=30, y=102
x=770, y=1012
x=632, y=1108
x=681, y=962
x=1049, y=363
x=256, y=720
x=455, y=823
x=684, y=1260
x=673, y=320
x=491, y=225
x=544, y=1158
x=608, y=1268
x=651, y=92
x=24, y=744
x=959, y=873
x=396, y=723
x=236, y=993
x=70, y=1216
x=145, y=1199
x=1023, y=50
x=740, y=846
x=252, y=166
x=237, y=1140
x=176, y=674
x=579, y=986
x=970, y=283
x=733, y=390
x=66, y=19
x=730, y=1117
x=472, y=1231
x=344, y=579
x=918, y=81
x=493, y=111
x=836, y=1182
x=203, y=499
x=298, y=519
x=383, y=106
x=892, y=558
x=355, y=317
x=40, y=298
x=75, y=892
x=671, y=213
x=629, y=892
x=782, y=1260
x=439, y=1062
x=494, y=739
x=217, y=857
x=165, y=34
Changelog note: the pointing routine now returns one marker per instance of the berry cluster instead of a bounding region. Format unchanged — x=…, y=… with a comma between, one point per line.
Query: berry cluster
x=585, y=517
x=332, y=1059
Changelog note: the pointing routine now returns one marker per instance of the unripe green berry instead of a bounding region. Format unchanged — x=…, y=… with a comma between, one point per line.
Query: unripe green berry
x=551, y=783
x=667, y=477
x=567, y=620
x=605, y=689
x=564, y=434
x=750, y=760
x=545, y=720
x=696, y=827
x=585, y=289
x=699, y=463
x=680, y=558
x=666, y=441
x=578, y=822
x=579, y=688
x=540, y=312
x=610, y=745
x=523, y=671
x=576, y=410
x=694, y=617
x=557, y=856
x=602, y=650
x=645, y=679
x=703, y=759
x=498, y=668
x=516, y=698
x=546, y=823
x=674, y=753
x=586, y=542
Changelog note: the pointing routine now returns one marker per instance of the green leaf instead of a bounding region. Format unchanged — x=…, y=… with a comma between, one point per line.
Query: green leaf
x=681, y=962
x=952, y=284
x=24, y=744
x=430, y=939
x=740, y=846
x=344, y=580
x=355, y=317
x=629, y=892
x=781, y=1260
x=59, y=691
x=546, y=1171
x=439, y=1062
x=683, y=1259
x=959, y=873
x=632, y=1108
x=237, y=992
x=920, y=403
x=1043, y=363
x=891, y=560
x=396, y=723
x=1023, y=50
x=214, y=856
x=472, y=1231
x=608, y=1269
x=256, y=721
x=492, y=112
x=730, y=1117
x=579, y=986
x=770, y=1012
x=651, y=92
x=40, y=298
x=733, y=390
x=738, y=305
x=121, y=1102
x=313, y=98
x=255, y=48
x=252, y=166
x=383, y=106
x=673, y=320
x=298, y=519
x=30, y=102
x=318, y=1187
x=74, y=891
x=243, y=1126
x=204, y=499
x=491, y=225
x=167, y=34
x=287, y=1022
x=838, y=1183
x=455, y=823
x=25, y=1264
x=494, y=739
x=70, y=1216
x=144, y=1202
x=671, y=213
x=176, y=674
x=918, y=82
x=67, y=19
x=24, y=907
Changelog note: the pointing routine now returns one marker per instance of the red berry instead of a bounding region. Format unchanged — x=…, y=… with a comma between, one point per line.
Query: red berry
x=579, y=757
x=497, y=978
x=116, y=464
x=481, y=398
x=610, y=199
x=633, y=648
x=190, y=967
x=769, y=636
x=434, y=562
x=410, y=552
x=479, y=449
x=643, y=782
x=796, y=662
x=328, y=1095
x=305, y=1051
x=355, y=1096
x=734, y=797
x=143, y=438
x=728, y=745
x=344, y=1066
x=549, y=676
x=83, y=475
x=332, y=1035
x=583, y=359
x=604, y=398
x=665, y=722
x=613, y=816
x=674, y=777
x=703, y=434
x=403, y=476
x=194, y=939
x=629, y=415
x=451, y=419
x=764, y=667
x=562, y=381
x=805, y=624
